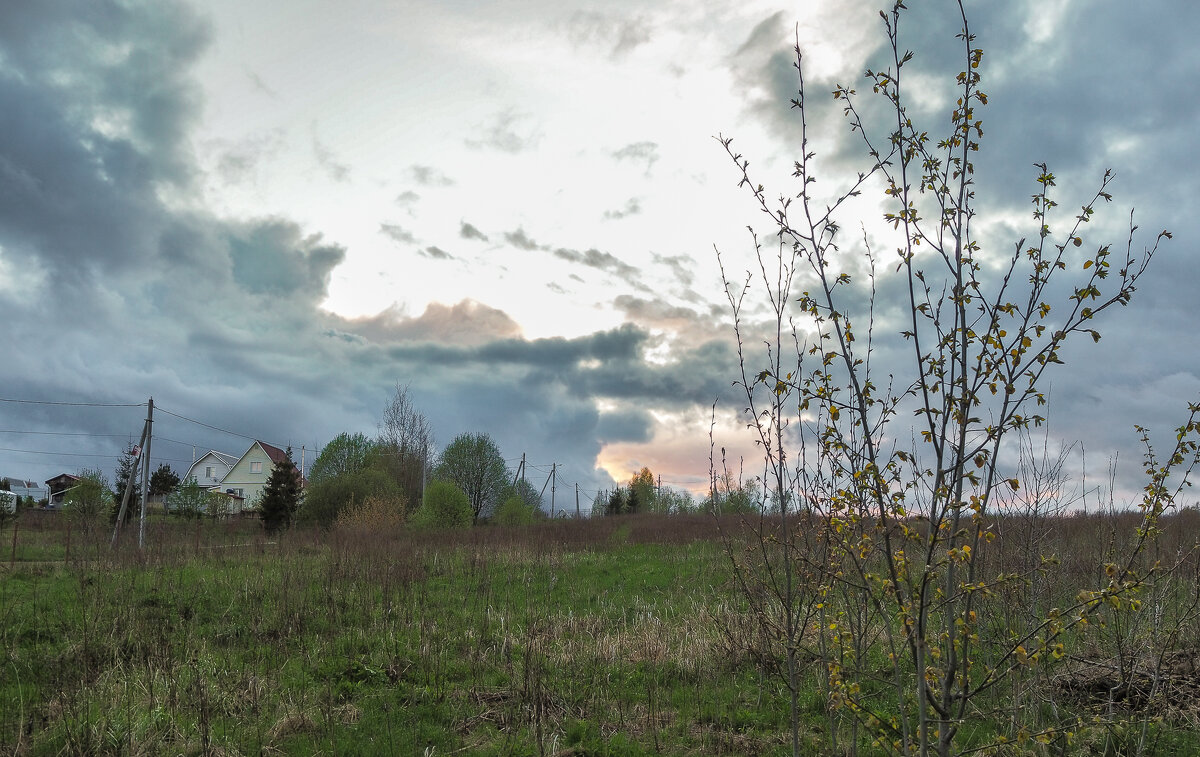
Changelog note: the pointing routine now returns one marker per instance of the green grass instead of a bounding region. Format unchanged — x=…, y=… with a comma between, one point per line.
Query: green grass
x=596, y=638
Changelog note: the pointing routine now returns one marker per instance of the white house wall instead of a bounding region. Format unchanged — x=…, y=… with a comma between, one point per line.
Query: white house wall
x=246, y=478
x=199, y=470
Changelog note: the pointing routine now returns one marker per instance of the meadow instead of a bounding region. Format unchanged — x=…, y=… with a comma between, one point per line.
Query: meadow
x=610, y=636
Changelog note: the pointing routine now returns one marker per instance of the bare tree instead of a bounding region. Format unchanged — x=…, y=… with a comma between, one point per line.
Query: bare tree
x=406, y=445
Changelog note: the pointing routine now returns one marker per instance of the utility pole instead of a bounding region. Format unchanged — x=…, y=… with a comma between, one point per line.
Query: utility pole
x=553, y=485
x=301, y=461
x=146, y=472
x=520, y=475
x=144, y=445
x=576, y=501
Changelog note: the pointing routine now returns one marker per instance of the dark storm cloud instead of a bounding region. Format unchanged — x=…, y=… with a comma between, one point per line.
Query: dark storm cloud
x=608, y=364
x=625, y=426
x=220, y=321
x=763, y=73
x=1083, y=88
x=73, y=173
x=603, y=261
x=271, y=257
x=468, y=231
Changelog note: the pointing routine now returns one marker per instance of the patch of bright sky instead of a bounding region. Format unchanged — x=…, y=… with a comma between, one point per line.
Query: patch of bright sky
x=323, y=113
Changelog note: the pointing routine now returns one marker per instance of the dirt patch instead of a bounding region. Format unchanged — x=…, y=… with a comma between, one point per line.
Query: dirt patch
x=1169, y=686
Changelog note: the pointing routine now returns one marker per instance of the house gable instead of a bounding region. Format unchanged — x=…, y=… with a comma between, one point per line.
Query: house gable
x=248, y=476
x=210, y=468
x=59, y=485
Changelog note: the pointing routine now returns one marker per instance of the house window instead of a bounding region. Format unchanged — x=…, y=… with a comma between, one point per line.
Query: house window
x=208, y=472
x=256, y=467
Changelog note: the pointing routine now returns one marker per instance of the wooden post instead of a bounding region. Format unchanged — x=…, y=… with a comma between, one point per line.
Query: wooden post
x=12, y=560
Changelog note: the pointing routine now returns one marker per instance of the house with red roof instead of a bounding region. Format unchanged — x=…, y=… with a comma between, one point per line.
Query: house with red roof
x=248, y=476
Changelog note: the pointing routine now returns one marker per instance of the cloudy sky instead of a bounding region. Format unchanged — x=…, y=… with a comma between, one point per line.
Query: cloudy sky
x=266, y=214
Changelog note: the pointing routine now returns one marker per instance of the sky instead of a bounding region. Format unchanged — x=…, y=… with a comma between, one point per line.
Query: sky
x=268, y=214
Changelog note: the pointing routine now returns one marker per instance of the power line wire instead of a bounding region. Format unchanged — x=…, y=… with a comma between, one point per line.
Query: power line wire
x=57, y=433
x=192, y=420
x=74, y=404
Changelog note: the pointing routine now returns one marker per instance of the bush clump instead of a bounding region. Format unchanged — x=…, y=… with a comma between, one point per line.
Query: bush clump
x=514, y=512
x=444, y=506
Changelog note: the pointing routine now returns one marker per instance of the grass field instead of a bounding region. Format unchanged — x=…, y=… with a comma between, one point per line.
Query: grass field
x=618, y=636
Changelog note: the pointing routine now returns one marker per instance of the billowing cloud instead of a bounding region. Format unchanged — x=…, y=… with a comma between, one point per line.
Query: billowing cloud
x=465, y=323
x=520, y=240
x=428, y=176
x=467, y=231
x=603, y=261
x=632, y=207
x=397, y=233
x=120, y=277
x=435, y=252
x=625, y=426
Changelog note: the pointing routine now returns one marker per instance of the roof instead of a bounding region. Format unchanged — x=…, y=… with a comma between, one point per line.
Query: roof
x=277, y=455
x=24, y=488
x=221, y=457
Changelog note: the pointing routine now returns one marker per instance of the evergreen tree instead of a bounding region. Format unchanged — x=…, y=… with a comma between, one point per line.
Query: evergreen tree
x=633, y=501
x=163, y=480
x=127, y=468
x=281, y=496
x=616, y=502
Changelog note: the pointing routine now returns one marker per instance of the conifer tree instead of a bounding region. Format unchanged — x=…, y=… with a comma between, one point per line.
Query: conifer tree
x=281, y=496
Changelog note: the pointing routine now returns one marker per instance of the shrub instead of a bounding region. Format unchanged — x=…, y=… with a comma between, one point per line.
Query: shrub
x=325, y=500
x=445, y=506
x=514, y=512
x=374, y=514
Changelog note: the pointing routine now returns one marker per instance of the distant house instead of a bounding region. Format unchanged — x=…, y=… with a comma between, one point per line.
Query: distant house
x=23, y=488
x=248, y=476
x=59, y=486
x=210, y=468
